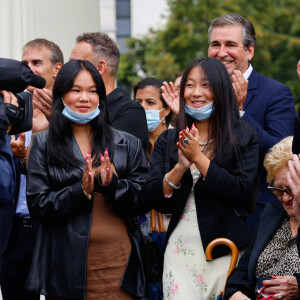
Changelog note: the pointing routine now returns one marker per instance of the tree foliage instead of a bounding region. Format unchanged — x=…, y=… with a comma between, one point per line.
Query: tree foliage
x=165, y=52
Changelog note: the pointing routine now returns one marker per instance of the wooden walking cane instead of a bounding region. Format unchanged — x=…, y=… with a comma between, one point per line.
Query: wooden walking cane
x=160, y=222
x=234, y=252
x=152, y=221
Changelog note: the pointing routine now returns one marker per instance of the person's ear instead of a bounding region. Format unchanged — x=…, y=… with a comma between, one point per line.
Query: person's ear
x=56, y=69
x=166, y=111
x=250, y=52
x=101, y=67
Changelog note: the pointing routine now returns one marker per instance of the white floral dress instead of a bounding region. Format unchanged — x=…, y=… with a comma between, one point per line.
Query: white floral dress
x=187, y=274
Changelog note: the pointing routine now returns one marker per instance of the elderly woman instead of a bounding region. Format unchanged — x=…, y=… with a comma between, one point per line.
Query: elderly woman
x=273, y=252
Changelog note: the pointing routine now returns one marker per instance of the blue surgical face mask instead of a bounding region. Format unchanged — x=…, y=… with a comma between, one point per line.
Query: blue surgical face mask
x=153, y=120
x=201, y=113
x=79, y=118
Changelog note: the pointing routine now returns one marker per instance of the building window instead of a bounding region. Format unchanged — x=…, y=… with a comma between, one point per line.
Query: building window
x=123, y=23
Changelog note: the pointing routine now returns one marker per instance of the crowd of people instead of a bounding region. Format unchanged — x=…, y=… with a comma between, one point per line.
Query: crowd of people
x=212, y=154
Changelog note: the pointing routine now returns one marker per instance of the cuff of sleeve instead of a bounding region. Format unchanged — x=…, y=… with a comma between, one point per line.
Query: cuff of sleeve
x=77, y=190
x=108, y=190
x=88, y=196
x=297, y=275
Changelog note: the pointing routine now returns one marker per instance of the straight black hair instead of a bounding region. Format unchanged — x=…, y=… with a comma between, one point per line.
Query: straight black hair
x=225, y=113
x=59, y=146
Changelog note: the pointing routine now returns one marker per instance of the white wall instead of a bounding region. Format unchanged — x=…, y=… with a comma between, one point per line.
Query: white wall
x=60, y=21
x=146, y=14
x=108, y=17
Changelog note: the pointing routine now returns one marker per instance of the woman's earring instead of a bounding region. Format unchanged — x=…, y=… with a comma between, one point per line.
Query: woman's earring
x=164, y=122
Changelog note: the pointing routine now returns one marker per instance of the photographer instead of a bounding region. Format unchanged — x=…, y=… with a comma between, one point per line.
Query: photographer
x=7, y=169
x=40, y=59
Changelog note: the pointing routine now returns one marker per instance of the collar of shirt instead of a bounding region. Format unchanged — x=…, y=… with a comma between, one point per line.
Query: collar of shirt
x=248, y=72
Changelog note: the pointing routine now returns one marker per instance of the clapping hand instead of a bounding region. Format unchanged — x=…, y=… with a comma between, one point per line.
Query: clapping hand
x=240, y=85
x=18, y=147
x=42, y=99
x=189, y=143
x=293, y=177
x=106, y=171
x=88, y=175
x=171, y=96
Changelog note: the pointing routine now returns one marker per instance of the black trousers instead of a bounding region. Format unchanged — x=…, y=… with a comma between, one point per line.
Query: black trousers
x=16, y=260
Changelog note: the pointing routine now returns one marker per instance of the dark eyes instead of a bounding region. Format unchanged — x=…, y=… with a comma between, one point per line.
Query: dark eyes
x=227, y=45
x=206, y=84
x=78, y=91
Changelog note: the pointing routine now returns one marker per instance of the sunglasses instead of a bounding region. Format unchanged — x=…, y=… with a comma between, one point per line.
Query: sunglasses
x=280, y=192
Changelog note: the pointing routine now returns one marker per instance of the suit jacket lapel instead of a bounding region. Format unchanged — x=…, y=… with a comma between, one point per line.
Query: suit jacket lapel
x=252, y=86
x=120, y=157
x=78, y=154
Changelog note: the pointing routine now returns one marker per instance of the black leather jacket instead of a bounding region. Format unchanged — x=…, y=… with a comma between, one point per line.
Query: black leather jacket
x=55, y=198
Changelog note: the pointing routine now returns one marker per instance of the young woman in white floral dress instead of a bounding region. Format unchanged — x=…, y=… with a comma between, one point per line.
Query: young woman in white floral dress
x=203, y=173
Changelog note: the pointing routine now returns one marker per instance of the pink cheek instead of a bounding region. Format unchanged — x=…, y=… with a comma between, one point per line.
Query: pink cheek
x=213, y=53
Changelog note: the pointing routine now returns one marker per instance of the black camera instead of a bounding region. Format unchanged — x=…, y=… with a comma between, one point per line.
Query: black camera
x=15, y=77
x=20, y=117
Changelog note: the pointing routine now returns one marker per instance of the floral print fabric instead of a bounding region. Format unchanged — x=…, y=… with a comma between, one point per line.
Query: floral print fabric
x=187, y=273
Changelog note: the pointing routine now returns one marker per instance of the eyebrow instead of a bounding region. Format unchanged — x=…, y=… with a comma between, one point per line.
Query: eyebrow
x=202, y=79
x=226, y=42
x=77, y=85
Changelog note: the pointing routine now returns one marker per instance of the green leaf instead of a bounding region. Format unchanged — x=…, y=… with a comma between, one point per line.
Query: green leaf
x=165, y=52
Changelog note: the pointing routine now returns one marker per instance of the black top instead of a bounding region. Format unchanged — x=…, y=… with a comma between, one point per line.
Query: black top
x=222, y=199
x=127, y=115
x=296, y=140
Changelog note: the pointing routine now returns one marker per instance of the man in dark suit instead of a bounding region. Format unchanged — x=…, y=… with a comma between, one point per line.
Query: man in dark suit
x=17, y=230
x=269, y=105
x=103, y=52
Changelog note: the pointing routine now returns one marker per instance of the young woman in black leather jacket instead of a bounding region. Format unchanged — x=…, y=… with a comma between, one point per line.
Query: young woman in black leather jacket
x=84, y=180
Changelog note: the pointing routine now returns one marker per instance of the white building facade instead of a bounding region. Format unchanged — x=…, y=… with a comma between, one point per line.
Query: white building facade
x=61, y=21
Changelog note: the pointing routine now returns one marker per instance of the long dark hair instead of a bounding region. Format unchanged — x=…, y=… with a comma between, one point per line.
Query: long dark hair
x=60, y=130
x=225, y=111
x=157, y=83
